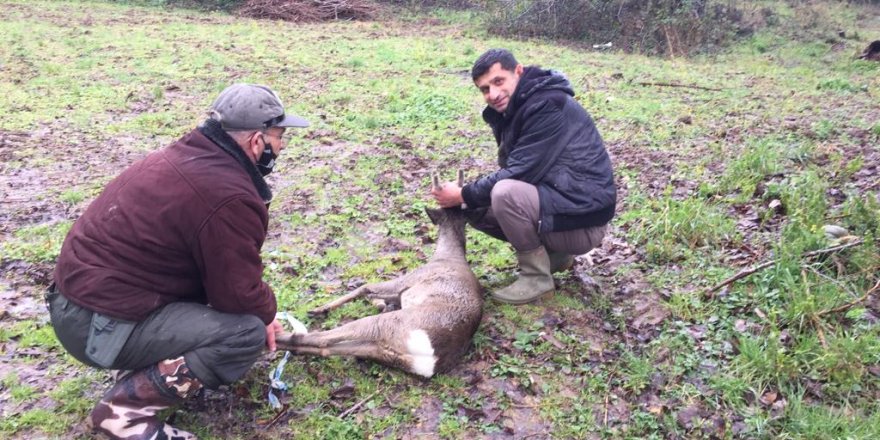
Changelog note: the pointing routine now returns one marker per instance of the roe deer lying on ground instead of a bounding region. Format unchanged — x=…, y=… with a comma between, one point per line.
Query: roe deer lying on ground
x=440, y=305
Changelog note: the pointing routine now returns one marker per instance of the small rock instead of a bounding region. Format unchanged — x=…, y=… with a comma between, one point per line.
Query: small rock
x=834, y=231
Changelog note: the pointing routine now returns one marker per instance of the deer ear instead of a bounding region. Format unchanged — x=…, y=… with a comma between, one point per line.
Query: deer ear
x=434, y=215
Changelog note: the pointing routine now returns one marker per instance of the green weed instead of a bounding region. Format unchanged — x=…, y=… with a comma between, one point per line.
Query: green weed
x=35, y=420
x=72, y=196
x=39, y=243
x=861, y=214
x=672, y=230
x=636, y=372
x=839, y=85
x=807, y=420
x=31, y=334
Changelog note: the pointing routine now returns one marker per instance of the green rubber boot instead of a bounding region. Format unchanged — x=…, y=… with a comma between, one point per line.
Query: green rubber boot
x=560, y=262
x=534, y=279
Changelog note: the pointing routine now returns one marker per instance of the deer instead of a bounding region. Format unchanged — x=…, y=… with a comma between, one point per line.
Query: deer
x=428, y=316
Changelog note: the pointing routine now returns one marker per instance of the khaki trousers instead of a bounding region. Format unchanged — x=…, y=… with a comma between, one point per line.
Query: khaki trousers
x=513, y=217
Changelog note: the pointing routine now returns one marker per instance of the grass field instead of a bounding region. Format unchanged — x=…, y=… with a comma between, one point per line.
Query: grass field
x=724, y=163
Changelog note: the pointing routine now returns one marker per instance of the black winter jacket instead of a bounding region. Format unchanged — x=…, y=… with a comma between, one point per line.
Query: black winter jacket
x=547, y=139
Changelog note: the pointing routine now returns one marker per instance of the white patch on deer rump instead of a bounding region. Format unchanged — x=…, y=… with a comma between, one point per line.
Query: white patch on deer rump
x=423, y=360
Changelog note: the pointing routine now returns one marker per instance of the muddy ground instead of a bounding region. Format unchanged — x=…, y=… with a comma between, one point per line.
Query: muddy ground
x=30, y=185
x=28, y=198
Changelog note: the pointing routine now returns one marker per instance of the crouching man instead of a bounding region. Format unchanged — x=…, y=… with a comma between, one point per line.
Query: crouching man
x=554, y=191
x=162, y=274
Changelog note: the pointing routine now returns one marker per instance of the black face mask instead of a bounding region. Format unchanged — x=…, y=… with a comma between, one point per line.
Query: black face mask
x=267, y=160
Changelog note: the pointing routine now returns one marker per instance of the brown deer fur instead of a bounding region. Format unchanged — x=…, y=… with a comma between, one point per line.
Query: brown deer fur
x=439, y=309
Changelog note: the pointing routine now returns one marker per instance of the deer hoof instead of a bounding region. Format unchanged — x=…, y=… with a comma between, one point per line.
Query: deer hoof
x=320, y=311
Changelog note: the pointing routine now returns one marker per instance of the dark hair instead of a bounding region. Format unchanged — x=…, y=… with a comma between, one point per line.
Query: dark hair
x=489, y=58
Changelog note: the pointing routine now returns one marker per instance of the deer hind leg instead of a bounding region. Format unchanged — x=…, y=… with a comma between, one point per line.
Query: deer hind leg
x=361, y=338
x=410, y=351
x=384, y=293
x=371, y=351
x=362, y=331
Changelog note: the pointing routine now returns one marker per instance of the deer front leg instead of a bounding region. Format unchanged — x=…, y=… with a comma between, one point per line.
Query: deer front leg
x=385, y=291
x=336, y=303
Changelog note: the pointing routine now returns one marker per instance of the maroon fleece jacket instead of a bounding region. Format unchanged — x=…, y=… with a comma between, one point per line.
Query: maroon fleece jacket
x=186, y=223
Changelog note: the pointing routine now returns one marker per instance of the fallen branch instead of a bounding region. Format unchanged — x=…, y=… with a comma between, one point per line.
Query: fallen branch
x=605, y=417
x=551, y=339
x=852, y=303
x=833, y=249
x=689, y=86
x=301, y=11
x=357, y=406
x=744, y=273
x=277, y=417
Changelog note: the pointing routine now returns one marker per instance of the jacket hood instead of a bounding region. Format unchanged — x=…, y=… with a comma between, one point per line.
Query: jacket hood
x=533, y=80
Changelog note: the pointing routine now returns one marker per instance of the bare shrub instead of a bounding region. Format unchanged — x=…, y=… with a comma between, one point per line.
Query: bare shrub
x=673, y=27
x=309, y=10
x=427, y=4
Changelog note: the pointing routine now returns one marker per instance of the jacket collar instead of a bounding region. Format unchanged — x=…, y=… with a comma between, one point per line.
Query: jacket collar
x=211, y=130
x=533, y=80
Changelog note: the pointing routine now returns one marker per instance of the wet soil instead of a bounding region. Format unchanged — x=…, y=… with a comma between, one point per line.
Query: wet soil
x=29, y=188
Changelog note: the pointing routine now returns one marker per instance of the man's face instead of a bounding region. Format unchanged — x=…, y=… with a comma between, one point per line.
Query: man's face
x=275, y=138
x=258, y=140
x=497, y=85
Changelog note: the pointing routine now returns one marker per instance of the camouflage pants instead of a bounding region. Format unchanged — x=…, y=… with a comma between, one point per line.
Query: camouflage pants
x=218, y=347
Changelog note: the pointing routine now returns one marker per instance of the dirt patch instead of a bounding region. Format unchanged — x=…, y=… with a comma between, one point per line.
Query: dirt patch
x=76, y=18
x=31, y=180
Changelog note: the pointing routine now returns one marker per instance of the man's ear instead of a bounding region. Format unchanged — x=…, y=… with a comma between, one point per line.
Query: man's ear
x=256, y=144
x=518, y=70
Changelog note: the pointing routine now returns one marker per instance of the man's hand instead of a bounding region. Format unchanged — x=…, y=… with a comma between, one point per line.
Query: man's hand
x=448, y=195
x=271, y=330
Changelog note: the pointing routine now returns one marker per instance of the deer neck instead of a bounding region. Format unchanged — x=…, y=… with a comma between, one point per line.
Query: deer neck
x=450, y=245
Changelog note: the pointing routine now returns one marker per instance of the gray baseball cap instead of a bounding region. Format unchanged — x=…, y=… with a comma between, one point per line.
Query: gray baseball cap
x=252, y=107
